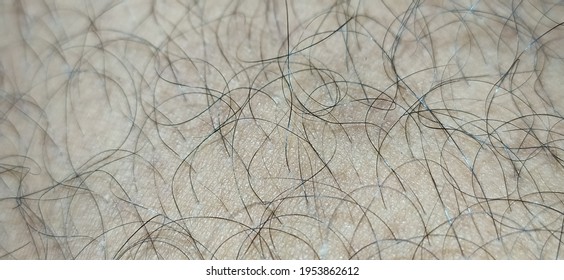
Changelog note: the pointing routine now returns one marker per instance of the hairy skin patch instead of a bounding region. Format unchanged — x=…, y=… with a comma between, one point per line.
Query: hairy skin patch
x=281, y=130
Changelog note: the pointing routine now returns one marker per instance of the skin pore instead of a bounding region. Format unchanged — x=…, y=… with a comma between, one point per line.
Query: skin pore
x=281, y=130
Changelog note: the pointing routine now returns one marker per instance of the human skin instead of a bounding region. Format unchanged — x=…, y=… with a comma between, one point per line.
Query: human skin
x=281, y=130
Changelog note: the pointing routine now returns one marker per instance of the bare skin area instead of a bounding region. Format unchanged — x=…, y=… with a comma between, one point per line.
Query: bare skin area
x=281, y=130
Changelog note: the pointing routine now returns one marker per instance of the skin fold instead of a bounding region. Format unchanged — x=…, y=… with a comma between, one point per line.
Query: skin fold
x=281, y=130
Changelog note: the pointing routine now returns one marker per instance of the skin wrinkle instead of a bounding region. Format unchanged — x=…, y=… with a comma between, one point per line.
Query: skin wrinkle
x=281, y=130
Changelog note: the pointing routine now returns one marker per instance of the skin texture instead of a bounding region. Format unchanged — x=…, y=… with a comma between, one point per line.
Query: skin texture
x=281, y=130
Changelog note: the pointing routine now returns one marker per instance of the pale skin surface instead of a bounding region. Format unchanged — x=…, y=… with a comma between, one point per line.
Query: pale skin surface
x=201, y=130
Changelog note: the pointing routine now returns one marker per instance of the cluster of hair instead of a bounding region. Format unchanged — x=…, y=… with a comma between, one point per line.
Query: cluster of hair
x=274, y=130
